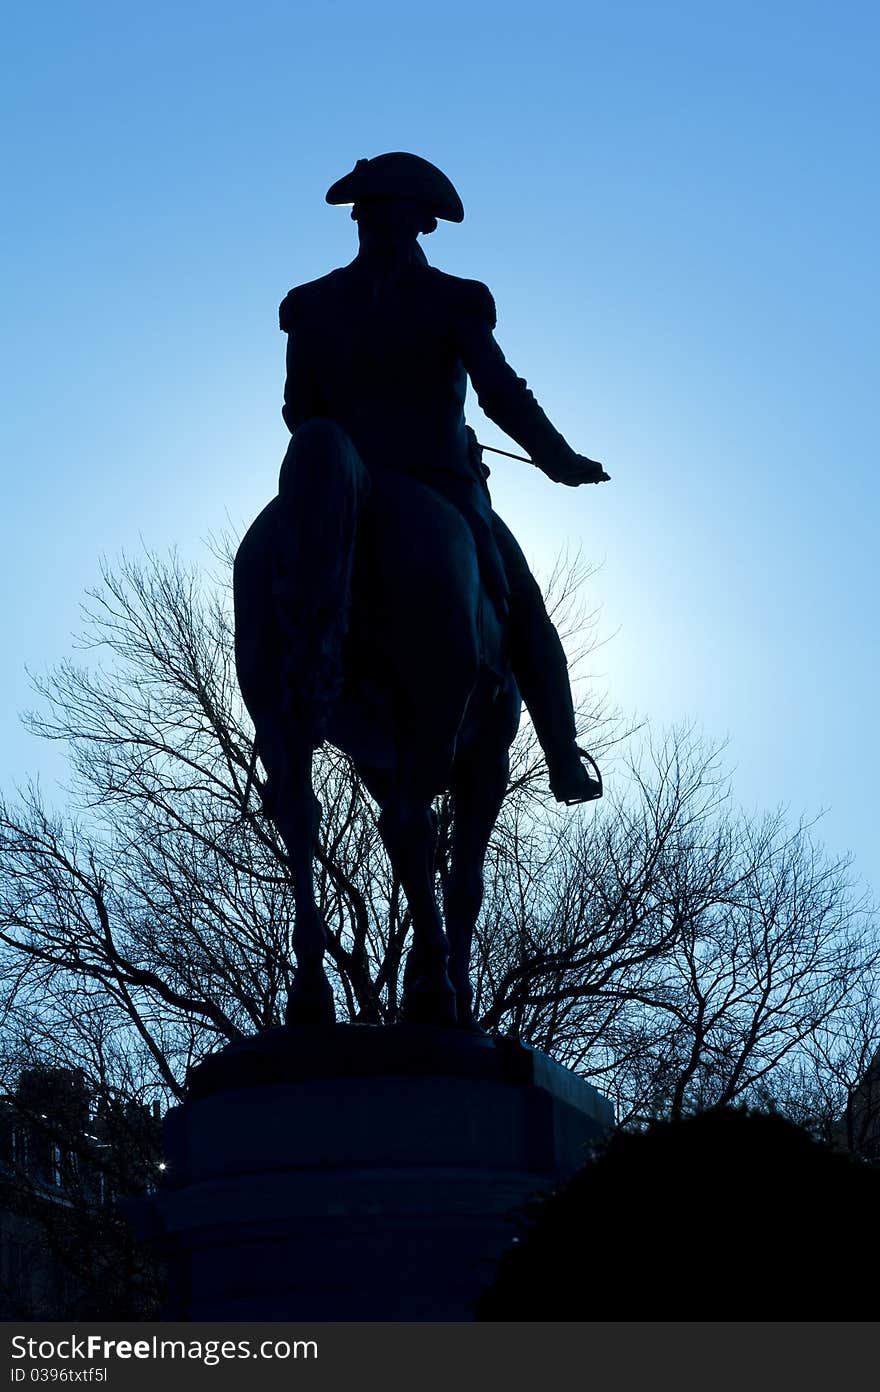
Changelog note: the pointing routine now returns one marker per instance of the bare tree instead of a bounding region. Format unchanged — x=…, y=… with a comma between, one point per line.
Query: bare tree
x=675, y=952
x=662, y=945
x=832, y=1086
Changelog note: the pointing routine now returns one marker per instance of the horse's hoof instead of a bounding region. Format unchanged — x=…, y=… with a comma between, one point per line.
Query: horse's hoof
x=466, y=1020
x=310, y=1002
x=309, y=1013
x=429, y=1006
x=464, y=1006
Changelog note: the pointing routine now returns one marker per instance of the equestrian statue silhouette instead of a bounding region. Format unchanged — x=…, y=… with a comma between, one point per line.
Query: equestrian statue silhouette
x=380, y=603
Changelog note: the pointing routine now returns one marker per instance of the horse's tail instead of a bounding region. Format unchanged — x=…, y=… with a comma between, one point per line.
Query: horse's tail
x=420, y=565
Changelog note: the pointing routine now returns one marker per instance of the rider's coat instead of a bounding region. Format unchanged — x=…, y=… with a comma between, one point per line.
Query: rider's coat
x=386, y=350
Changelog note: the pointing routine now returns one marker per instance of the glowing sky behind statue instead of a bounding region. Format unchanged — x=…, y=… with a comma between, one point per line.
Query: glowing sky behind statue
x=677, y=210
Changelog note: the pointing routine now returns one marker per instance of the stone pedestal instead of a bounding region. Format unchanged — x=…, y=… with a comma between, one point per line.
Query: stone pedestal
x=359, y=1173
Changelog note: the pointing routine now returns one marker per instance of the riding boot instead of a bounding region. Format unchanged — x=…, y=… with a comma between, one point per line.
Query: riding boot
x=538, y=661
x=541, y=671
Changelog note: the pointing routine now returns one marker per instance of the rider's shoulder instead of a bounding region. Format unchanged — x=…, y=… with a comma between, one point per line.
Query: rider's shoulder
x=470, y=297
x=302, y=298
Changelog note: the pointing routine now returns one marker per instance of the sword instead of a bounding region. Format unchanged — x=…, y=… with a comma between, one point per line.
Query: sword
x=493, y=449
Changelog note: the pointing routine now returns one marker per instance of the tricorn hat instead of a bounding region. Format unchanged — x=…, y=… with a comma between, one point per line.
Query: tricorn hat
x=399, y=175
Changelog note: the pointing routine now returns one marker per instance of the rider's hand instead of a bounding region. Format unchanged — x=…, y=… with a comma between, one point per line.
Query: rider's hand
x=575, y=470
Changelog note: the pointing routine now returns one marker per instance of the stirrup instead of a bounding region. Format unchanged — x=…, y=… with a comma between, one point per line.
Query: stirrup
x=594, y=788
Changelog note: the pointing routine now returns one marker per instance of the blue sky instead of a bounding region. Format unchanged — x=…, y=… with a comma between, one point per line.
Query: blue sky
x=676, y=208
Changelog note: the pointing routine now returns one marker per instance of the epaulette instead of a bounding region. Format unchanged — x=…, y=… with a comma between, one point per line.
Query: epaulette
x=479, y=300
x=287, y=310
x=298, y=300
x=471, y=297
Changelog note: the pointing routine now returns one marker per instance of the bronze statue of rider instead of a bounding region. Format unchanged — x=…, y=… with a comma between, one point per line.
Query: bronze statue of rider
x=384, y=347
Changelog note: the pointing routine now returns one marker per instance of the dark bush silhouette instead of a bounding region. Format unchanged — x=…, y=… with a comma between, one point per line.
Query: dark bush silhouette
x=726, y=1215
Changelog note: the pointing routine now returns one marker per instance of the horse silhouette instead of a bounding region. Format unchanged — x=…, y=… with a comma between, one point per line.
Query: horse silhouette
x=361, y=617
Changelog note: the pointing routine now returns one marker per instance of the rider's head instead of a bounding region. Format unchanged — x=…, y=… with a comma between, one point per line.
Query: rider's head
x=392, y=222
x=395, y=197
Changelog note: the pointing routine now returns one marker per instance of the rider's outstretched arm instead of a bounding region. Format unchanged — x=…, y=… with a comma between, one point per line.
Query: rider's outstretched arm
x=507, y=401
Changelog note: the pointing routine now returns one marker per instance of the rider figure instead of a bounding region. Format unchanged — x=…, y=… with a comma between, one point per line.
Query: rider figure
x=384, y=347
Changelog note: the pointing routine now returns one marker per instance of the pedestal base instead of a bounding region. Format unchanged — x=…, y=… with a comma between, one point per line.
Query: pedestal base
x=358, y=1172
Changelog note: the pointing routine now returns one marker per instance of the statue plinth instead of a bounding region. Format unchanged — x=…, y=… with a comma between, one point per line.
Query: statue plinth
x=359, y=1173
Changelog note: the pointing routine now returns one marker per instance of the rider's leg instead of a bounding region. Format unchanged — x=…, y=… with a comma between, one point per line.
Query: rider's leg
x=541, y=671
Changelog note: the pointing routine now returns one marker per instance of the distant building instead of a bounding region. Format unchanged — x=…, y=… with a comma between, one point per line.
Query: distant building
x=65, y=1160
x=859, y=1128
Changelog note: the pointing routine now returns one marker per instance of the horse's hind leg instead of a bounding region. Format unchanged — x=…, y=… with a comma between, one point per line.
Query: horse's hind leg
x=408, y=827
x=478, y=791
x=321, y=492
x=311, y=996
x=291, y=803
